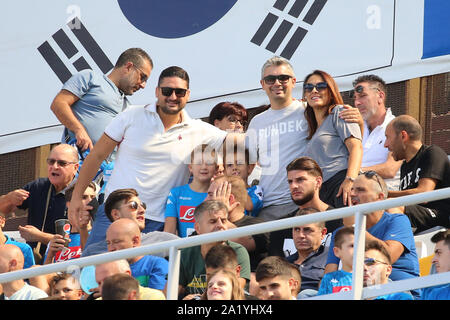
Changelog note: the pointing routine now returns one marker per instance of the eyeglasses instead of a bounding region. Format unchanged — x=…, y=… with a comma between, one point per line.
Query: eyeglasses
x=179, y=92
x=61, y=163
x=134, y=205
x=371, y=262
x=360, y=89
x=236, y=120
x=308, y=87
x=282, y=78
x=370, y=174
x=142, y=75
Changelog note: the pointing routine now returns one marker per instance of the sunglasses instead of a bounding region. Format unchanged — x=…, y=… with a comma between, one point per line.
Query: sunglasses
x=371, y=262
x=179, y=92
x=236, y=120
x=282, y=78
x=142, y=75
x=308, y=87
x=135, y=205
x=370, y=174
x=360, y=89
x=61, y=163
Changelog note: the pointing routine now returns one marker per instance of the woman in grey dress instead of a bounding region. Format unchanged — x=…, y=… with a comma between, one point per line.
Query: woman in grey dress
x=333, y=143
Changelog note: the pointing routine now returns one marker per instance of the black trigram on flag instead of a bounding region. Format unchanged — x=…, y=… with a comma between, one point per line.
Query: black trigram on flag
x=70, y=50
x=285, y=26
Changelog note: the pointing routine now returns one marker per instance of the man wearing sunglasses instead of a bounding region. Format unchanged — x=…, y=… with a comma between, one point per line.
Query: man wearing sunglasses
x=390, y=230
x=154, y=142
x=62, y=165
x=369, y=96
x=377, y=269
x=278, y=136
x=88, y=101
x=425, y=168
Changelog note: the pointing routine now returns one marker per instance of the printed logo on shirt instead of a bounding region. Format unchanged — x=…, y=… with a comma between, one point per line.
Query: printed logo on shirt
x=341, y=288
x=187, y=214
x=68, y=254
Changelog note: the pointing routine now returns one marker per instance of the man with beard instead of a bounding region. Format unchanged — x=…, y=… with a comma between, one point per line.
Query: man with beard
x=304, y=179
x=154, y=142
x=88, y=101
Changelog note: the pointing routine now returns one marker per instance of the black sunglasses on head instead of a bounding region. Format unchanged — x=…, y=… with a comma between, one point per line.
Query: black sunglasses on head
x=308, y=87
x=282, y=78
x=179, y=92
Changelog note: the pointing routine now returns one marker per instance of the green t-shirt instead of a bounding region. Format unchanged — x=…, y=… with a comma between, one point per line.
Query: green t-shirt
x=193, y=271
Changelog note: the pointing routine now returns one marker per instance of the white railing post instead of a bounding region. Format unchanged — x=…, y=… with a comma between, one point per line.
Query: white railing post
x=174, y=273
x=358, y=255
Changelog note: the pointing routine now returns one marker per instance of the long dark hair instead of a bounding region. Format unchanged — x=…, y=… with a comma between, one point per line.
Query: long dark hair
x=336, y=99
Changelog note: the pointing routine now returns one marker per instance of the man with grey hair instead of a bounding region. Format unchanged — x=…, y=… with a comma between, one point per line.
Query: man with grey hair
x=210, y=216
x=425, y=168
x=88, y=101
x=44, y=197
x=391, y=230
x=278, y=135
x=369, y=96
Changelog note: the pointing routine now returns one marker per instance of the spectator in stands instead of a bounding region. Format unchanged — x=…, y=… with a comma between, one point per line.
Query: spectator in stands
x=369, y=96
x=25, y=248
x=304, y=177
x=392, y=231
x=210, y=216
x=237, y=163
x=283, y=128
x=229, y=116
x=167, y=120
x=425, y=168
x=88, y=101
x=340, y=280
x=231, y=191
x=79, y=231
x=149, y=270
x=182, y=200
x=441, y=261
x=275, y=278
x=311, y=255
x=333, y=143
x=223, y=285
x=66, y=287
x=120, y=286
x=125, y=203
x=102, y=271
x=44, y=197
x=11, y=259
x=377, y=268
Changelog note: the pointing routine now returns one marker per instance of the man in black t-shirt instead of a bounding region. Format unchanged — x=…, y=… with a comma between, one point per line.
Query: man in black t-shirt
x=425, y=168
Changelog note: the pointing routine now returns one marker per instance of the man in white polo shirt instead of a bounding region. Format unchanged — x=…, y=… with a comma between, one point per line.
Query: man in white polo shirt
x=154, y=145
x=369, y=97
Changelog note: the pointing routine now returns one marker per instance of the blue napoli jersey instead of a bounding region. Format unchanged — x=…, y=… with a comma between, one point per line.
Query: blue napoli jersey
x=257, y=195
x=335, y=281
x=181, y=204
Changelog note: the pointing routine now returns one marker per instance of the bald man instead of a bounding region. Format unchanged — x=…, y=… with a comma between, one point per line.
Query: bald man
x=425, y=168
x=11, y=259
x=108, y=269
x=62, y=166
x=150, y=271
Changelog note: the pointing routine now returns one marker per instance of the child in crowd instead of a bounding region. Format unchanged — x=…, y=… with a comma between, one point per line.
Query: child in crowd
x=182, y=200
x=239, y=165
x=340, y=280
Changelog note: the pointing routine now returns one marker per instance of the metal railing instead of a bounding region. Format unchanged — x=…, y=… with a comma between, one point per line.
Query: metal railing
x=359, y=211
